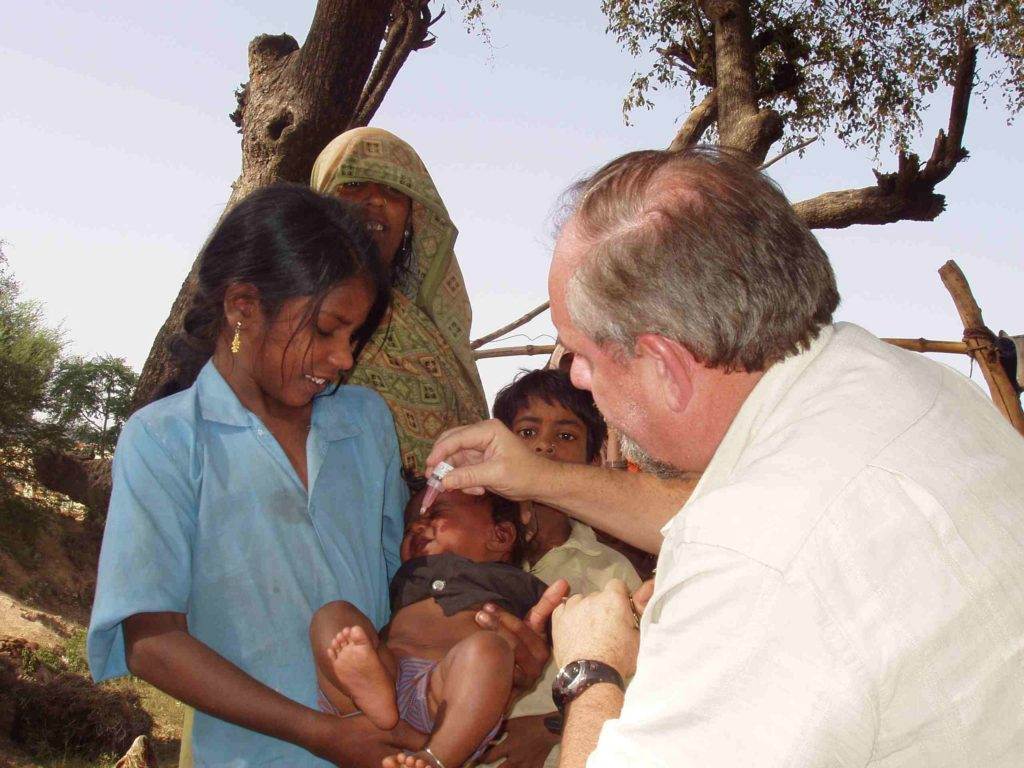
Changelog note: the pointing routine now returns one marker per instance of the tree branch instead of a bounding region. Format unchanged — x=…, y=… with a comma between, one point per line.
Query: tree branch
x=791, y=150
x=701, y=118
x=909, y=193
x=408, y=31
x=741, y=124
x=529, y=349
x=485, y=339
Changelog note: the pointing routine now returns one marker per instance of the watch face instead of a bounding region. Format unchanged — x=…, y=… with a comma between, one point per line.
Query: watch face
x=574, y=675
x=568, y=679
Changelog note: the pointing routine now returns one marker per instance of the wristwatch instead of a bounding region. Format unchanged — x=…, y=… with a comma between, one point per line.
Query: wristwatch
x=576, y=676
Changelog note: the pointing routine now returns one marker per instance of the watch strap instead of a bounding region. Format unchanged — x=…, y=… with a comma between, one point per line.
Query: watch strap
x=577, y=676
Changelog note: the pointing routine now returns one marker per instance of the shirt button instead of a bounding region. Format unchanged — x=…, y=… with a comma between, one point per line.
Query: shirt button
x=438, y=585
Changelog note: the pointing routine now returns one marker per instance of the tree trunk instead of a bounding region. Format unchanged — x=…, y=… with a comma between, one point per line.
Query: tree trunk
x=297, y=100
x=741, y=124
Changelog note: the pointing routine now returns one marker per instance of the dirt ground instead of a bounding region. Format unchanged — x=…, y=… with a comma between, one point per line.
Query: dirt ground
x=48, y=556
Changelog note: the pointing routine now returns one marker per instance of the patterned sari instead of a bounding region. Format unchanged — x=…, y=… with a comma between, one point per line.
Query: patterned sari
x=419, y=360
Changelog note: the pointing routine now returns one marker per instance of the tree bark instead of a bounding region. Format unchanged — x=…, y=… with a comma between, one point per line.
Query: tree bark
x=297, y=99
x=741, y=124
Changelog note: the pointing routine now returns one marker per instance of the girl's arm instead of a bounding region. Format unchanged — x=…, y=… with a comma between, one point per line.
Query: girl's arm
x=159, y=649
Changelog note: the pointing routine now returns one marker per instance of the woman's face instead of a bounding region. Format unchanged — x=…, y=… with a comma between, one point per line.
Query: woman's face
x=385, y=210
x=296, y=360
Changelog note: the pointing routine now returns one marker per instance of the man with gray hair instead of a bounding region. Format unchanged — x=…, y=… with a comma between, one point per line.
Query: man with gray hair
x=845, y=585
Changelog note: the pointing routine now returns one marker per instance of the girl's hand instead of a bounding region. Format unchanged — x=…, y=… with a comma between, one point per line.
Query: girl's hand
x=529, y=638
x=354, y=742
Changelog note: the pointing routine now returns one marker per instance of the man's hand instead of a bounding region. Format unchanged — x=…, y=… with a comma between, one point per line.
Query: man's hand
x=600, y=626
x=487, y=456
x=526, y=745
x=529, y=638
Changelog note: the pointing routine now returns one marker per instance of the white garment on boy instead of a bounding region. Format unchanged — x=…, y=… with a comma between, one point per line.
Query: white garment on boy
x=587, y=565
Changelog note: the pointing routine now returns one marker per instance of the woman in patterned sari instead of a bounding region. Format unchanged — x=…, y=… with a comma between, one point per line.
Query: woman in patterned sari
x=420, y=360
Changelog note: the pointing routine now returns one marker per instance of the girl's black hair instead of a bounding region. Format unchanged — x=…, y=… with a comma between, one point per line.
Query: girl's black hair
x=555, y=388
x=287, y=241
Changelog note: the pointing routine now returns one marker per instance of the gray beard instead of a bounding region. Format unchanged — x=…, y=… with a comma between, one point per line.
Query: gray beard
x=647, y=463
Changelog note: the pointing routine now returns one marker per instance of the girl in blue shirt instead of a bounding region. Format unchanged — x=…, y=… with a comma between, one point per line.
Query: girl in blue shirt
x=244, y=503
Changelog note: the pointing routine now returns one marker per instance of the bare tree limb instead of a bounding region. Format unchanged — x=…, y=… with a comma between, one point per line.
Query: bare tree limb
x=791, y=150
x=909, y=193
x=408, y=31
x=486, y=338
x=528, y=349
x=701, y=118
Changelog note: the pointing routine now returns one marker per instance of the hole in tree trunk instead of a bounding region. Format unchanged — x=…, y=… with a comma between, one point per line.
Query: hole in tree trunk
x=278, y=124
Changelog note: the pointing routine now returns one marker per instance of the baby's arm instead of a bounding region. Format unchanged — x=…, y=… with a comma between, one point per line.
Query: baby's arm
x=468, y=695
x=354, y=669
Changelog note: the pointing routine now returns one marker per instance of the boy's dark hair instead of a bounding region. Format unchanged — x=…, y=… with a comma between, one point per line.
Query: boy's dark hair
x=287, y=241
x=553, y=387
x=505, y=511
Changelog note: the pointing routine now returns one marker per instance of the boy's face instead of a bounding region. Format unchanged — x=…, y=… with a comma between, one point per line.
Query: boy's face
x=552, y=430
x=457, y=523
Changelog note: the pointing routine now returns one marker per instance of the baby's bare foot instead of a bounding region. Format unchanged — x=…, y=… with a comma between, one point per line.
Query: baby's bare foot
x=363, y=677
x=405, y=760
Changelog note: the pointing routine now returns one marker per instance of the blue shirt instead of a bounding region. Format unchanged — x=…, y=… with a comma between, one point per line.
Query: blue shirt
x=208, y=518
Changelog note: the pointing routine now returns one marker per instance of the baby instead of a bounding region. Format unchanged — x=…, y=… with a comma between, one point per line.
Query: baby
x=432, y=666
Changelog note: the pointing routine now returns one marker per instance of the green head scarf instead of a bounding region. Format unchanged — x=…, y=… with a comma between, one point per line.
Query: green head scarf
x=419, y=360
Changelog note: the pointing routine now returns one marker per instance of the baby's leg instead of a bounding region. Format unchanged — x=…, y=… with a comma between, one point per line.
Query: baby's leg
x=469, y=692
x=353, y=666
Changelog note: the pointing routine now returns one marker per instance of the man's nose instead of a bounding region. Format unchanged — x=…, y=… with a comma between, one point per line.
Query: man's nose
x=545, y=446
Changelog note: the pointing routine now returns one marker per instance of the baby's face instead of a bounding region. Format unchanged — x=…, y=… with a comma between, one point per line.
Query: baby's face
x=552, y=430
x=457, y=523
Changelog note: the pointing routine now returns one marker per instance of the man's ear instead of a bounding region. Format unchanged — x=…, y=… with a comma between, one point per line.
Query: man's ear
x=672, y=364
x=503, y=538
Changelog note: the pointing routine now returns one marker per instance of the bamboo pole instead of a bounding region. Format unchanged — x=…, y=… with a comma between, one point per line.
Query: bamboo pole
x=510, y=327
x=528, y=349
x=981, y=343
x=915, y=345
x=927, y=345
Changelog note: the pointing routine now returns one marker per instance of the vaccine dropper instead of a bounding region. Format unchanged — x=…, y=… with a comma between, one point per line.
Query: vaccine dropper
x=435, y=485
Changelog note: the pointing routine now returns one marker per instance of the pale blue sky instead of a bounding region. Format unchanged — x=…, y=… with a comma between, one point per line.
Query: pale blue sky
x=117, y=157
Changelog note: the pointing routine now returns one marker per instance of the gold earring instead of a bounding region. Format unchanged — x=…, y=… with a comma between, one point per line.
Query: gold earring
x=236, y=342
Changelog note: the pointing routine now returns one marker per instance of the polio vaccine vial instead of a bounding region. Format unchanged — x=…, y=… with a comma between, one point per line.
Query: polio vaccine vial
x=435, y=485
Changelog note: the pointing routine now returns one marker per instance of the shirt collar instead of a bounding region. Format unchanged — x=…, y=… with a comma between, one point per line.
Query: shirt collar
x=219, y=403
x=760, y=403
x=582, y=537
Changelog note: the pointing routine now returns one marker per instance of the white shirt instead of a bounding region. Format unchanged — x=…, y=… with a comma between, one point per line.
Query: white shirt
x=845, y=587
x=587, y=565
